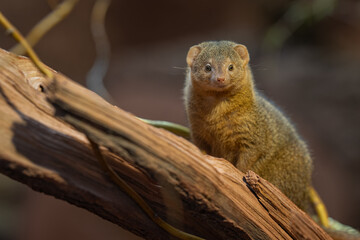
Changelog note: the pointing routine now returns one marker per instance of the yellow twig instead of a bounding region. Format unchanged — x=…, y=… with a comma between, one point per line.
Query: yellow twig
x=17, y=35
x=53, y=18
x=319, y=207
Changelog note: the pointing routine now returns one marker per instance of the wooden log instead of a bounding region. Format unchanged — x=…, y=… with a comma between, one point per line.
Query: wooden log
x=199, y=194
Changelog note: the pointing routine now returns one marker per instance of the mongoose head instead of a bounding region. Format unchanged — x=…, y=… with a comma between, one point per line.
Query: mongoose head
x=217, y=66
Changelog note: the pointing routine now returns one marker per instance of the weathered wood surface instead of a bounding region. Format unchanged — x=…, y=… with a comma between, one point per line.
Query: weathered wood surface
x=200, y=194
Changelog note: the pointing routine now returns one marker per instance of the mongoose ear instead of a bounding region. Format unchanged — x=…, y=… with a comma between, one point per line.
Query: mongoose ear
x=193, y=52
x=243, y=52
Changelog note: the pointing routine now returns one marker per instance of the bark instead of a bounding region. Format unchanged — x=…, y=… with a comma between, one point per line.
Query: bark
x=42, y=127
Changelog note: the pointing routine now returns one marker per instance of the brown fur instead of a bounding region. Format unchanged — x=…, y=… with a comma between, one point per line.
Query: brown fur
x=230, y=119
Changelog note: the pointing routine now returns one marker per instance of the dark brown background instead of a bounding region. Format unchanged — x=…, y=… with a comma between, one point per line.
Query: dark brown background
x=314, y=77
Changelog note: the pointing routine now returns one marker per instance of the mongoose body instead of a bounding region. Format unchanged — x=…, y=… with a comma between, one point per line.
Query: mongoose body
x=229, y=118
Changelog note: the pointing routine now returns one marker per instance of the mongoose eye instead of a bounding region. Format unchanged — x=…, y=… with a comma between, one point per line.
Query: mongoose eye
x=208, y=67
x=231, y=67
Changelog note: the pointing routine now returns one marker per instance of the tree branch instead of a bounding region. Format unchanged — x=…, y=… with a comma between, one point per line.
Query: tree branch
x=199, y=194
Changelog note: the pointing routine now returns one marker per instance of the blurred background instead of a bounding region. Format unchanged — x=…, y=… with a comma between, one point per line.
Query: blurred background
x=305, y=56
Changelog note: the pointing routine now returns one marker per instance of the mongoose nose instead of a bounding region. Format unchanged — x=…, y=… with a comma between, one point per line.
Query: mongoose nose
x=220, y=79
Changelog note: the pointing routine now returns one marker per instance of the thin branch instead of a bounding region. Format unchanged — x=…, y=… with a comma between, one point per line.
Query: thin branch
x=47, y=23
x=18, y=36
x=96, y=75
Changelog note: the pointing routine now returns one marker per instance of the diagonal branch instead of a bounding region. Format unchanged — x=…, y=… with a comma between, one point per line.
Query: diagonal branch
x=199, y=194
